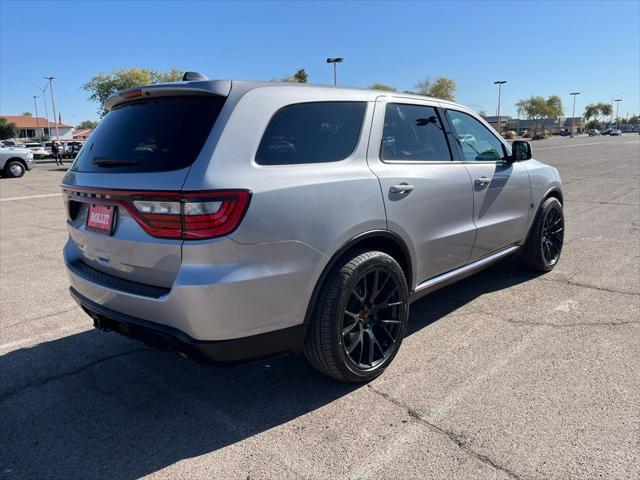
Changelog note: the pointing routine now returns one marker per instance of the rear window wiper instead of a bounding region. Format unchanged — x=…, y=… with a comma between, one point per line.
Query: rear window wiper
x=113, y=162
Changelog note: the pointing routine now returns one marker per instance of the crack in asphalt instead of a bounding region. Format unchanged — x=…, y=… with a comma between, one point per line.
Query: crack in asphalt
x=573, y=284
x=53, y=378
x=21, y=322
x=455, y=439
x=593, y=202
x=605, y=203
x=559, y=325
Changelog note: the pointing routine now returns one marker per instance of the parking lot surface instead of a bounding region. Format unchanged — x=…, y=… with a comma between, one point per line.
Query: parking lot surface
x=505, y=375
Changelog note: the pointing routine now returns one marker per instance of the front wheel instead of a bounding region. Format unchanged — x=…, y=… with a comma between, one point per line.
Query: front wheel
x=543, y=247
x=361, y=318
x=14, y=169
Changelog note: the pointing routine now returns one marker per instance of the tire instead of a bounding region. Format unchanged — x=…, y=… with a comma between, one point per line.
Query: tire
x=14, y=169
x=543, y=247
x=350, y=337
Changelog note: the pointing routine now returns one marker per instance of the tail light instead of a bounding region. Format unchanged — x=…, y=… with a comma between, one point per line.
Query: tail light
x=187, y=215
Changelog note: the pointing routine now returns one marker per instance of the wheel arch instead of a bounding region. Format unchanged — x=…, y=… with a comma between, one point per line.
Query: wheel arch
x=380, y=240
x=553, y=192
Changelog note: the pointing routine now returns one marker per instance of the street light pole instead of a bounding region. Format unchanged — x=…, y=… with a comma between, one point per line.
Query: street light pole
x=499, y=83
x=46, y=110
x=617, y=100
x=334, y=60
x=37, y=124
x=53, y=105
x=573, y=115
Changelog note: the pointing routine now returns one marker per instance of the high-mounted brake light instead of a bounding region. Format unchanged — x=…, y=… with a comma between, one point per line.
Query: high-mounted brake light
x=188, y=215
x=132, y=93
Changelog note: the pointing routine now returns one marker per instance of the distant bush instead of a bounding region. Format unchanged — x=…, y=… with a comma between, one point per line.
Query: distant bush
x=509, y=136
x=541, y=136
x=526, y=135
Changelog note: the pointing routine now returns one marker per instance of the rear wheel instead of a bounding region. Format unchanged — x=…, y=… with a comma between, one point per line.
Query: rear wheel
x=361, y=318
x=546, y=238
x=14, y=169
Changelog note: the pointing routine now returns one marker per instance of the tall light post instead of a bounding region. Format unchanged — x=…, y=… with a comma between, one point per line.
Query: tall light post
x=53, y=106
x=573, y=115
x=334, y=60
x=617, y=100
x=35, y=105
x=46, y=111
x=499, y=83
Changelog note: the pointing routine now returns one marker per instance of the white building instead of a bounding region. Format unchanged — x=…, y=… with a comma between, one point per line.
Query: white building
x=33, y=128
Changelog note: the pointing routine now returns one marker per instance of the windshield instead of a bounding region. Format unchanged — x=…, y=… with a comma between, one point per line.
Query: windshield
x=152, y=135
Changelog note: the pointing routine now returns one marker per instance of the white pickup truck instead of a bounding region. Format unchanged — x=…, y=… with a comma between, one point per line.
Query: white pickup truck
x=14, y=161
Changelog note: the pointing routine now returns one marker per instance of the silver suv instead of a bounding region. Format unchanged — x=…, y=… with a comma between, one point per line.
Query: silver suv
x=230, y=220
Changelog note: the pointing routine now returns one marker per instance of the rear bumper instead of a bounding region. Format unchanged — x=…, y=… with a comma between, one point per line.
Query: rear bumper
x=168, y=338
x=214, y=296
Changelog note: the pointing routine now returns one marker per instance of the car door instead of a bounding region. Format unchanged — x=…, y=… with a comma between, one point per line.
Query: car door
x=501, y=188
x=428, y=197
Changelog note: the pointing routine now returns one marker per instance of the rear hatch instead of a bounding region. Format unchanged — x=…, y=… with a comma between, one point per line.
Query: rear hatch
x=123, y=191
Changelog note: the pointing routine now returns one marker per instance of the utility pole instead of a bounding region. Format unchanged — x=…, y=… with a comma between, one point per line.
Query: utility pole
x=46, y=110
x=53, y=105
x=36, y=107
x=617, y=100
x=499, y=83
x=334, y=60
x=573, y=115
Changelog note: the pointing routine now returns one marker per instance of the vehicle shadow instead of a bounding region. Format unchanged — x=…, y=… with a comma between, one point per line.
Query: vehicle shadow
x=95, y=405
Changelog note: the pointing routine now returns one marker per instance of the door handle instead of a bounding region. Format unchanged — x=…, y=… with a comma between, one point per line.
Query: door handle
x=483, y=181
x=402, y=188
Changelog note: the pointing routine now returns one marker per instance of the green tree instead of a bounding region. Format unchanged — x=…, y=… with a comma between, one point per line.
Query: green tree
x=87, y=124
x=382, y=86
x=597, y=111
x=103, y=85
x=301, y=76
x=27, y=114
x=540, y=109
x=440, y=87
x=7, y=129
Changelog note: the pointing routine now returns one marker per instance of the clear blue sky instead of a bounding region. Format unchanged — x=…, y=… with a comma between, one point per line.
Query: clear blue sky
x=539, y=48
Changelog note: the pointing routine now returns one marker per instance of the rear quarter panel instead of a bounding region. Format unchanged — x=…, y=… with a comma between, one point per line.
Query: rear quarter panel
x=318, y=207
x=322, y=205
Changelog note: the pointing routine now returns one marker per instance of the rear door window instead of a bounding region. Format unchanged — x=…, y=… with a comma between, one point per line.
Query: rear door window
x=311, y=133
x=152, y=135
x=413, y=133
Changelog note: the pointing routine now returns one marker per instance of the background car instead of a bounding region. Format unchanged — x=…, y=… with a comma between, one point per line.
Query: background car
x=606, y=132
x=70, y=149
x=37, y=149
x=616, y=132
x=15, y=161
x=594, y=132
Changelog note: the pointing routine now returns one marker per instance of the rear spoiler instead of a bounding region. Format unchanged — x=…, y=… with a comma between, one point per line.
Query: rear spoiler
x=209, y=87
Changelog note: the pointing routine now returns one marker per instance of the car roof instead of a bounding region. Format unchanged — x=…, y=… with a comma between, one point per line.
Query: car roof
x=224, y=88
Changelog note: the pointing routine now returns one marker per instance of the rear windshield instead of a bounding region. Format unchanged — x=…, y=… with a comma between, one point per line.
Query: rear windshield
x=154, y=135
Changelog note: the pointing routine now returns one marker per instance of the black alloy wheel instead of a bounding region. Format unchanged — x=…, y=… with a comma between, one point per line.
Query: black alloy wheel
x=361, y=317
x=372, y=319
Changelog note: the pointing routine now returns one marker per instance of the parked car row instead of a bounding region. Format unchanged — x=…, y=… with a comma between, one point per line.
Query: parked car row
x=614, y=132
x=68, y=148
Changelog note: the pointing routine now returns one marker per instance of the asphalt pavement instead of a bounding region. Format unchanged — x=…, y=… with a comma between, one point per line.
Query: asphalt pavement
x=505, y=375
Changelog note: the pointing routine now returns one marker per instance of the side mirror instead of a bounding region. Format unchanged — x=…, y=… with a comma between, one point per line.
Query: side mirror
x=520, y=151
